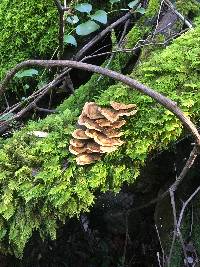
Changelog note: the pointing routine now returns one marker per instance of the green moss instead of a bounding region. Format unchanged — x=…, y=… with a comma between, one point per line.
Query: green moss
x=23, y=24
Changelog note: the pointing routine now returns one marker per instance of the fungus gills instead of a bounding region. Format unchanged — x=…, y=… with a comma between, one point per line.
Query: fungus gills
x=98, y=131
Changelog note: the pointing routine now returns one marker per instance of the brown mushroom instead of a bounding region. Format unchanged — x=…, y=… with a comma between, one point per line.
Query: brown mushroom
x=84, y=159
x=108, y=149
x=118, y=124
x=77, y=142
x=112, y=133
x=90, y=124
x=91, y=110
x=120, y=106
x=76, y=150
x=104, y=122
x=93, y=147
x=79, y=134
x=125, y=112
x=102, y=139
x=110, y=114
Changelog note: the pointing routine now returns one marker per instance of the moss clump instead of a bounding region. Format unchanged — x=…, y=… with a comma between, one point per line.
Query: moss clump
x=30, y=23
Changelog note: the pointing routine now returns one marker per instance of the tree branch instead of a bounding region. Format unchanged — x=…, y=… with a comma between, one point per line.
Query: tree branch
x=194, y=153
x=164, y=101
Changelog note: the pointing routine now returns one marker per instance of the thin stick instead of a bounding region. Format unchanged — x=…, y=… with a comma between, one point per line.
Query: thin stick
x=178, y=14
x=177, y=231
x=184, y=172
x=171, y=192
x=158, y=257
x=185, y=205
x=162, y=249
x=163, y=100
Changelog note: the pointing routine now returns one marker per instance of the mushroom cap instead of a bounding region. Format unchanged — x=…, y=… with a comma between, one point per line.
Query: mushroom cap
x=77, y=150
x=84, y=159
x=79, y=134
x=108, y=149
x=92, y=111
x=125, y=112
x=106, y=123
x=90, y=124
x=118, y=124
x=77, y=142
x=93, y=147
x=102, y=139
x=110, y=114
x=119, y=106
x=112, y=133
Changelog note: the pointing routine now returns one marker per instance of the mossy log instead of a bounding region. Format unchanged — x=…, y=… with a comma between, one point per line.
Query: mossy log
x=41, y=184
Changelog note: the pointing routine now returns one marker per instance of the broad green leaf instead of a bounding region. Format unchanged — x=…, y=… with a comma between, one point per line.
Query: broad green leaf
x=69, y=39
x=84, y=7
x=100, y=16
x=114, y=1
x=26, y=73
x=72, y=19
x=87, y=28
x=133, y=3
x=140, y=10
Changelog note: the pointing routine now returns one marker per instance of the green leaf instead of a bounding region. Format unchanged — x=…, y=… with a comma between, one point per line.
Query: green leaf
x=69, y=39
x=84, y=7
x=100, y=16
x=87, y=28
x=140, y=10
x=26, y=73
x=114, y=1
x=133, y=3
x=72, y=19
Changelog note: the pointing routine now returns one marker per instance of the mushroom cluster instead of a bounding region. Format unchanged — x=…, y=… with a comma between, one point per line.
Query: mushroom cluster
x=98, y=131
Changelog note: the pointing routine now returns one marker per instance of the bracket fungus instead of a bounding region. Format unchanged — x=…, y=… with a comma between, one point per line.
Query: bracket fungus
x=98, y=131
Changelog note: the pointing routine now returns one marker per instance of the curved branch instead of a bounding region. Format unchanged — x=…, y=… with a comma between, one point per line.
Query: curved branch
x=163, y=100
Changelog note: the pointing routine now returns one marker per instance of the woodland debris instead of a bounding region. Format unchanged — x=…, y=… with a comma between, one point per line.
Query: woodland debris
x=99, y=131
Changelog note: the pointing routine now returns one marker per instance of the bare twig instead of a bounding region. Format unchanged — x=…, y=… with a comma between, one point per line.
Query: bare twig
x=158, y=17
x=177, y=231
x=171, y=192
x=185, y=205
x=194, y=153
x=163, y=100
x=162, y=249
x=186, y=168
x=158, y=257
x=178, y=14
x=46, y=110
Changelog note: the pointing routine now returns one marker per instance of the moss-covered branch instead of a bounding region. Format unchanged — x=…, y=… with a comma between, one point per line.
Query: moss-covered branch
x=163, y=100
